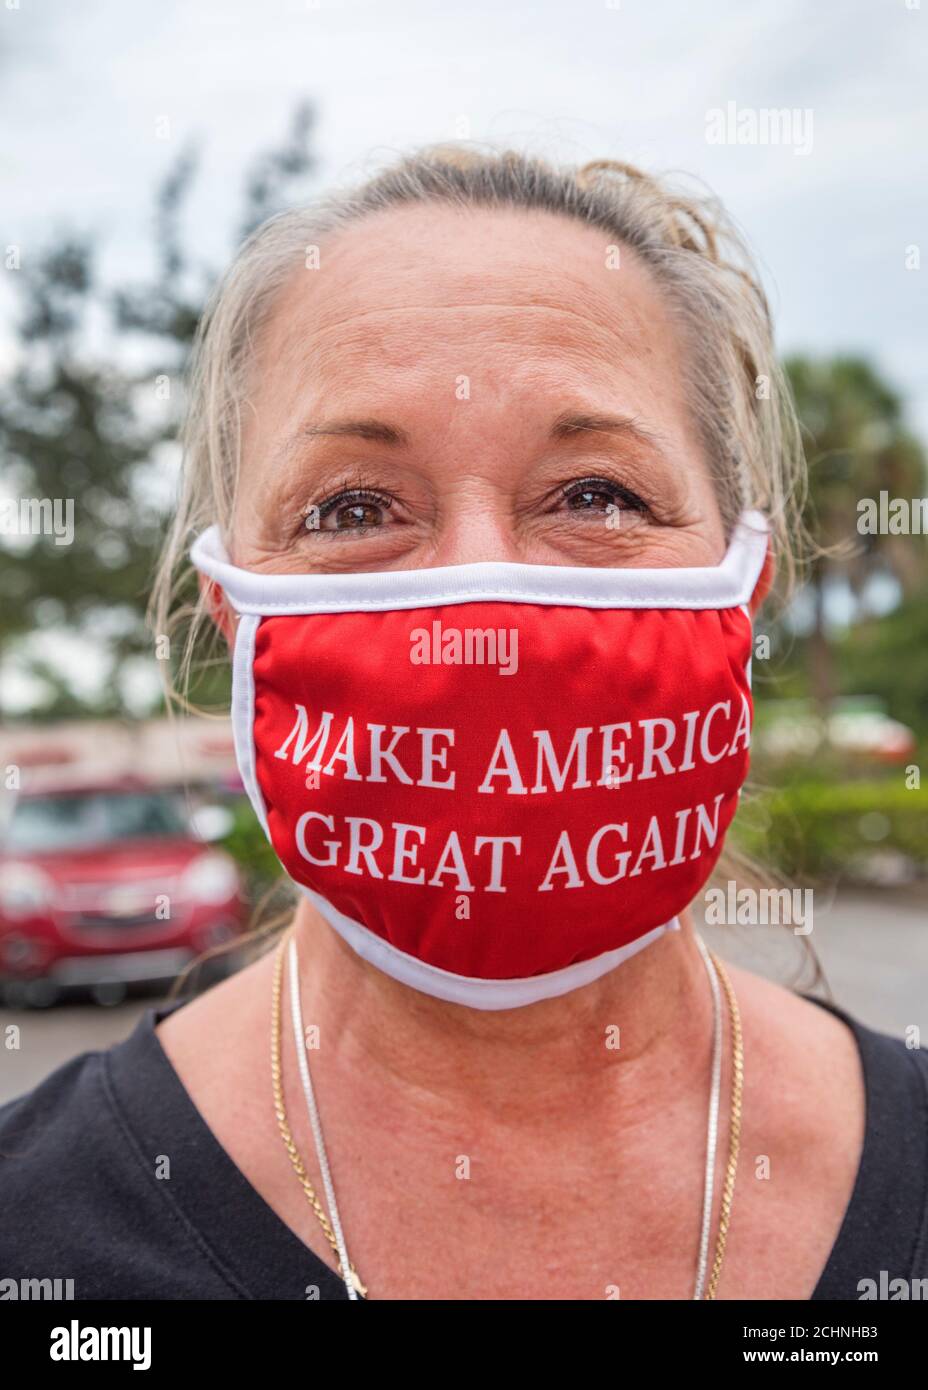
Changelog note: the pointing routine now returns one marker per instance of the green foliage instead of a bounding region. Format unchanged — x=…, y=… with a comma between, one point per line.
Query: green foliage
x=816, y=828
x=75, y=424
x=70, y=429
x=888, y=657
x=857, y=445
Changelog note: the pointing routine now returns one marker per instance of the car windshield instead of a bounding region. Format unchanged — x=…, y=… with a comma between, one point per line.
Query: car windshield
x=79, y=820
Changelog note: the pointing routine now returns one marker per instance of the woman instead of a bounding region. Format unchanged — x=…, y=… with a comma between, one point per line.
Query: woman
x=492, y=462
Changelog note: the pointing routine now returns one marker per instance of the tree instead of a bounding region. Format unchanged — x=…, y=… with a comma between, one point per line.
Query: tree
x=84, y=424
x=857, y=444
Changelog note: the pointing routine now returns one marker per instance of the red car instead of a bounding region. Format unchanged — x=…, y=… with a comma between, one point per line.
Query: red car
x=107, y=885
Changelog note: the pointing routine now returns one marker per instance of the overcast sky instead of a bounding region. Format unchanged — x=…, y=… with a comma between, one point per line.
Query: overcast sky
x=83, y=87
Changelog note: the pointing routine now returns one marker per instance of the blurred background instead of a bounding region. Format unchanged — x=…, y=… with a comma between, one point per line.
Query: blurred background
x=142, y=143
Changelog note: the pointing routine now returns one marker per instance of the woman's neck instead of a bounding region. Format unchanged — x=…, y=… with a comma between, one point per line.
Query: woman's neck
x=628, y=1038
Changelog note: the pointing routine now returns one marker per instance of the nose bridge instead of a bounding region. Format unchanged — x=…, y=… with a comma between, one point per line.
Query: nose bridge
x=475, y=516
x=473, y=536
x=477, y=481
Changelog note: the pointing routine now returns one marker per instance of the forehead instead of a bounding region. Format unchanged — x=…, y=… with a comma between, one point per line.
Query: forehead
x=420, y=282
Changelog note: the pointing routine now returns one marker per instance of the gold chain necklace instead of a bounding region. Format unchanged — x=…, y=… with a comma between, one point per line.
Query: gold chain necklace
x=734, y=1134
x=281, y=1112
x=734, y=1126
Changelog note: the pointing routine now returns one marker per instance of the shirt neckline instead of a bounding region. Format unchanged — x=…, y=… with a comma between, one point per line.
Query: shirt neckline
x=260, y=1257
x=249, y=1246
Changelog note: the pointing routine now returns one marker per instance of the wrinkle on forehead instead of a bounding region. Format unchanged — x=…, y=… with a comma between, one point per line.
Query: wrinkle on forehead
x=434, y=260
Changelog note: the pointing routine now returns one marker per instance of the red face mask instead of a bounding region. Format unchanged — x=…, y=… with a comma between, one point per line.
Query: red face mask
x=496, y=781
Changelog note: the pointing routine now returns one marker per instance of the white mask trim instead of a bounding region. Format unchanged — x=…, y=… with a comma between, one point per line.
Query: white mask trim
x=243, y=713
x=729, y=584
x=465, y=989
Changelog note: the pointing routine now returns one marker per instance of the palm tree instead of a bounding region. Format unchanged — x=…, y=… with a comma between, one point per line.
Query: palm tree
x=858, y=445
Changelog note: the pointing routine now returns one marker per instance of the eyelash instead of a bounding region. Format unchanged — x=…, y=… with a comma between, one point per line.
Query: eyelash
x=358, y=492
x=353, y=496
x=349, y=493
x=606, y=485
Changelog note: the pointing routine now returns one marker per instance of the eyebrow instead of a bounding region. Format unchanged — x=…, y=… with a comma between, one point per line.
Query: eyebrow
x=571, y=422
x=376, y=430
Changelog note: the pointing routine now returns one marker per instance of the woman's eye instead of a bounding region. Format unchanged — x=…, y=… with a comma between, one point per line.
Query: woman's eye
x=349, y=511
x=601, y=497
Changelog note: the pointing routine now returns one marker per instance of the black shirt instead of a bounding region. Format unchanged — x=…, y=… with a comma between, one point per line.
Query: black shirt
x=80, y=1199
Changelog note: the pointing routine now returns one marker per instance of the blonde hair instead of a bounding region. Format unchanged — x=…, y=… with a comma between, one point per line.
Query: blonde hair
x=738, y=394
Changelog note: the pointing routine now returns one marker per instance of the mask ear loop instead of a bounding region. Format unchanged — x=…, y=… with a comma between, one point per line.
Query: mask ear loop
x=217, y=608
x=764, y=583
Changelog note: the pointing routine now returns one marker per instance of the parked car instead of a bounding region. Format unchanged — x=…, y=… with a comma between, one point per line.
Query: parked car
x=856, y=727
x=108, y=885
